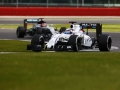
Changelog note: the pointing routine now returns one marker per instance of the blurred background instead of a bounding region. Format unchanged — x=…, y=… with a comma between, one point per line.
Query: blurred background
x=60, y=3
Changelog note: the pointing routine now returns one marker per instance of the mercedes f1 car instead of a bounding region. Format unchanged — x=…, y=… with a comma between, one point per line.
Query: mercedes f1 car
x=73, y=39
x=39, y=27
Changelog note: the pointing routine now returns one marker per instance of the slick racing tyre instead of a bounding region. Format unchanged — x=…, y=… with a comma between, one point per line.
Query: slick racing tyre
x=75, y=42
x=37, y=43
x=20, y=32
x=105, y=42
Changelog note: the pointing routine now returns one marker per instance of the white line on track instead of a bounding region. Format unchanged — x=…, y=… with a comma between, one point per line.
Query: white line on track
x=7, y=52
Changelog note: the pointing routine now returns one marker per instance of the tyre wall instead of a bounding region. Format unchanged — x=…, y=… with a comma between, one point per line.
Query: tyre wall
x=54, y=11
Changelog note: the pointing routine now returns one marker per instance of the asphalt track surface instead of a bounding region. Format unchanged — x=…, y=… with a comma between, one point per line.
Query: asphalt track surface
x=11, y=34
x=64, y=21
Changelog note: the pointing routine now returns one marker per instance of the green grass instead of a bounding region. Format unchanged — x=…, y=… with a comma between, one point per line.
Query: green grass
x=60, y=71
x=106, y=27
x=11, y=26
x=28, y=70
x=13, y=46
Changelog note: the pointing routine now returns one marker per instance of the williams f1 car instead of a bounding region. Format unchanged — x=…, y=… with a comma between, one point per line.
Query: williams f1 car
x=73, y=39
x=39, y=27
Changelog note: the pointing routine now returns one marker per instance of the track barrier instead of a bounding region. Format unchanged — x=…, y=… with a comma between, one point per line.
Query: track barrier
x=57, y=11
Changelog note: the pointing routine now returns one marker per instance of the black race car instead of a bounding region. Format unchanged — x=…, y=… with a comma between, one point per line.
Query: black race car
x=39, y=27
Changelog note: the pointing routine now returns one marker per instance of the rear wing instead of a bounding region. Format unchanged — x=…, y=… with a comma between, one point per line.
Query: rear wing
x=97, y=26
x=89, y=25
x=31, y=20
x=26, y=21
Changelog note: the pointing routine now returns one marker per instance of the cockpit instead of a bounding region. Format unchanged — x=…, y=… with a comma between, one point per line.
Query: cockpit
x=74, y=29
x=68, y=32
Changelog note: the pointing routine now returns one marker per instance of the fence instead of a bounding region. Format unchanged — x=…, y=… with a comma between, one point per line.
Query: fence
x=60, y=3
x=53, y=11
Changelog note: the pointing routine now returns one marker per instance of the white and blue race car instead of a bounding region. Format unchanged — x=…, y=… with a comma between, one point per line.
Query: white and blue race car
x=73, y=39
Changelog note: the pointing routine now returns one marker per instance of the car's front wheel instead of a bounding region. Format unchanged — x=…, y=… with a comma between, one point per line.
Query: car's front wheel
x=37, y=43
x=75, y=42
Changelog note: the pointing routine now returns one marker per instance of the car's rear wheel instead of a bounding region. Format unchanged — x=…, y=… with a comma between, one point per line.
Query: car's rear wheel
x=20, y=32
x=105, y=42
